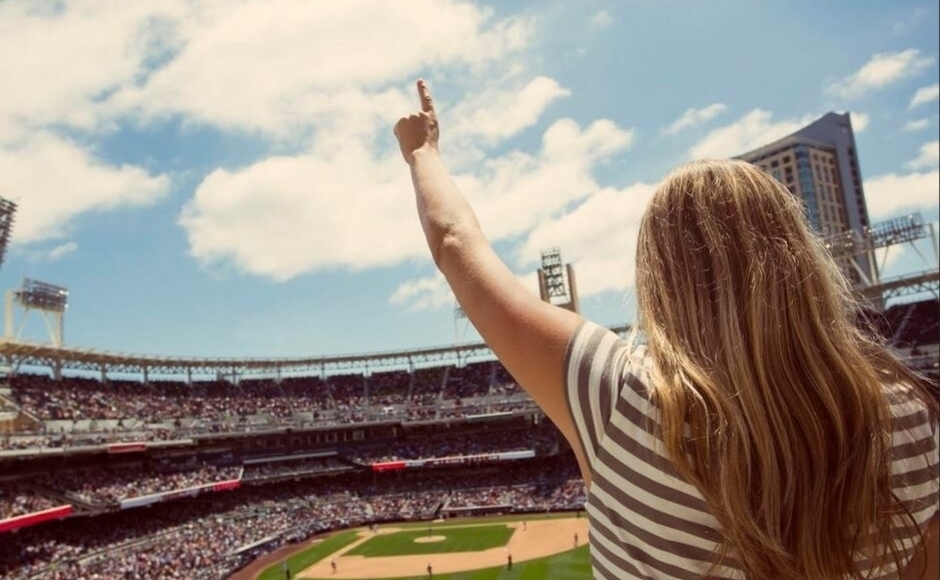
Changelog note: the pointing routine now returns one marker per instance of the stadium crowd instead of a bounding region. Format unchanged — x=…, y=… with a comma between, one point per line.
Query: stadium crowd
x=541, y=440
x=202, y=539
x=15, y=501
x=108, y=486
x=292, y=467
x=83, y=410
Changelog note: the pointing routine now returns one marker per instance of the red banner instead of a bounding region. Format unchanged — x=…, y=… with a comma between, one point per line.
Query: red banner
x=388, y=466
x=225, y=485
x=127, y=447
x=36, y=518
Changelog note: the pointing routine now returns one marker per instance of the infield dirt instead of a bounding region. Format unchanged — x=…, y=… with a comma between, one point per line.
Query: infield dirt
x=535, y=539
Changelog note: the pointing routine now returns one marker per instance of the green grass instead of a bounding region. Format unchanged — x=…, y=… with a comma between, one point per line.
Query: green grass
x=570, y=565
x=310, y=556
x=464, y=539
x=482, y=520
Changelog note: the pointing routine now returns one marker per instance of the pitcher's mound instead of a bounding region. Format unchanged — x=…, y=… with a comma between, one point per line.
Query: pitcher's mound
x=430, y=539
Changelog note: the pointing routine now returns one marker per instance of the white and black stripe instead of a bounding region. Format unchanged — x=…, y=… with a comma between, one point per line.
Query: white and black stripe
x=646, y=521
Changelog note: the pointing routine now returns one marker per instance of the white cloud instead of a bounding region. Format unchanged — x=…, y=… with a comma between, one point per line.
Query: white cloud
x=890, y=195
x=693, y=117
x=601, y=19
x=428, y=293
x=285, y=216
x=304, y=59
x=59, y=62
x=502, y=112
x=53, y=181
x=881, y=70
x=860, y=121
x=64, y=60
x=61, y=250
x=929, y=156
x=916, y=125
x=925, y=95
x=515, y=192
x=598, y=237
x=755, y=129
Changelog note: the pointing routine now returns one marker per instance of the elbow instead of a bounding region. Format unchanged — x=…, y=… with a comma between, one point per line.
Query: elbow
x=445, y=248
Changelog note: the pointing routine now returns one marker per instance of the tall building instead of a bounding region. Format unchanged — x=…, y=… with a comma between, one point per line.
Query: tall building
x=819, y=164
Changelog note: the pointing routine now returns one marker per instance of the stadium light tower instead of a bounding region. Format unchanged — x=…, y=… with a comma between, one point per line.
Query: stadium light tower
x=48, y=299
x=7, y=215
x=557, y=282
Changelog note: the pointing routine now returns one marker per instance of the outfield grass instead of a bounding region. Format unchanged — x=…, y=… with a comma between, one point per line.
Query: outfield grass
x=485, y=520
x=570, y=565
x=465, y=539
x=310, y=556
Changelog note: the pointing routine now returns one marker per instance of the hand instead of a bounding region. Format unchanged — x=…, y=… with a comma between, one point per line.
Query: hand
x=420, y=130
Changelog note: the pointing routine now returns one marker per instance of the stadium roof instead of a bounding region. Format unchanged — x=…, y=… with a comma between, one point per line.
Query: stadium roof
x=16, y=354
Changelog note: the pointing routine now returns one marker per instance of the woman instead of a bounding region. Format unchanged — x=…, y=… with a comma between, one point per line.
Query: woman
x=758, y=433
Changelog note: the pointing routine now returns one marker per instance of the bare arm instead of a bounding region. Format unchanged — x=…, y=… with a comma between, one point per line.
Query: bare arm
x=529, y=336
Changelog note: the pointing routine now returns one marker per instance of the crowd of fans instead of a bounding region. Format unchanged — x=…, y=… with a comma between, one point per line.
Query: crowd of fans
x=292, y=468
x=82, y=410
x=103, y=487
x=202, y=539
x=540, y=440
x=15, y=501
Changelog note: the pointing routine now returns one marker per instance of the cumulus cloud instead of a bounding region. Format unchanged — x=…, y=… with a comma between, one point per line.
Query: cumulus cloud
x=693, y=117
x=755, y=129
x=105, y=46
x=601, y=19
x=53, y=181
x=284, y=216
x=916, y=125
x=427, y=293
x=925, y=95
x=598, y=236
x=881, y=70
x=860, y=121
x=302, y=60
x=929, y=156
x=893, y=194
x=61, y=250
x=499, y=113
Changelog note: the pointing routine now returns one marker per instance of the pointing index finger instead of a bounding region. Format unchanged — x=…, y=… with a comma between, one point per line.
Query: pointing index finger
x=427, y=104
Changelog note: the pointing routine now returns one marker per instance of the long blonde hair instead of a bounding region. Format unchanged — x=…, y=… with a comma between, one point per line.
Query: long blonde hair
x=770, y=394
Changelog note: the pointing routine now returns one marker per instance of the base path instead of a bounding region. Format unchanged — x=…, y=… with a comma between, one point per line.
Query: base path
x=537, y=539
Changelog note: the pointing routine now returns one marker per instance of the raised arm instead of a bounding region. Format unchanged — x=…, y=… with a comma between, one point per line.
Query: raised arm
x=528, y=335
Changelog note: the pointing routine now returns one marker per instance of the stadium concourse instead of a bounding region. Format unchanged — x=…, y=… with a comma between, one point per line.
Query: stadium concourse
x=183, y=472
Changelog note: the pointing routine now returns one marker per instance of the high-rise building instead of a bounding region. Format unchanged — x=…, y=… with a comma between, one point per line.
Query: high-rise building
x=819, y=164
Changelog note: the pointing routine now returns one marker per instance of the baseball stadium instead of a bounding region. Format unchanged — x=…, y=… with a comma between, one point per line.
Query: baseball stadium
x=422, y=463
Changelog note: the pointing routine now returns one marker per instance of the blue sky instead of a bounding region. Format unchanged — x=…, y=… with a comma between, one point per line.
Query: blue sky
x=219, y=178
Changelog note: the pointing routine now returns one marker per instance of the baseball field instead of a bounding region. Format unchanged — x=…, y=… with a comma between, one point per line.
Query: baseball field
x=546, y=547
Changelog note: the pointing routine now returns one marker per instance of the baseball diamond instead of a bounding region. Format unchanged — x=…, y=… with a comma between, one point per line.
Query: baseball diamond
x=543, y=547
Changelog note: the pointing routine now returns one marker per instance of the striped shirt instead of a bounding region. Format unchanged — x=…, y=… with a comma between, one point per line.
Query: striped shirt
x=646, y=521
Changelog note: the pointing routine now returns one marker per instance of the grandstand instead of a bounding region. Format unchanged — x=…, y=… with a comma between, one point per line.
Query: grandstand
x=292, y=448
x=238, y=457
